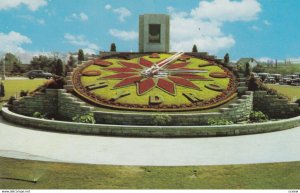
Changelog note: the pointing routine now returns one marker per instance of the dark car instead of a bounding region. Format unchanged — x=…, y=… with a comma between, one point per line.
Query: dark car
x=38, y=74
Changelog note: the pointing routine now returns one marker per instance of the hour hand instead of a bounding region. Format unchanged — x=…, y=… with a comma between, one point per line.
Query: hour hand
x=184, y=71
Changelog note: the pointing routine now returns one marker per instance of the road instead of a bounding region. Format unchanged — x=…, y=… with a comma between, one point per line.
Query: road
x=25, y=143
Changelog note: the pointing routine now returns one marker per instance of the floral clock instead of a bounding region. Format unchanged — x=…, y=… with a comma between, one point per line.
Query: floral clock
x=159, y=82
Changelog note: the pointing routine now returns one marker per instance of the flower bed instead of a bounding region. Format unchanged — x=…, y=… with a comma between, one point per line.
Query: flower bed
x=91, y=73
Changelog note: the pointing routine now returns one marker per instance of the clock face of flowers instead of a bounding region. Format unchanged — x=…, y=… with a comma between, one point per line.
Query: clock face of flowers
x=161, y=82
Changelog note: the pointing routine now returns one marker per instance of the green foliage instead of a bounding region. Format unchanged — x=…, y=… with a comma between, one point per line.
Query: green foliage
x=259, y=68
x=23, y=93
x=161, y=119
x=195, y=49
x=71, y=61
x=214, y=121
x=41, y=63
x=113, y=47
x=12, y=63
x=39, y=115
x=247, y=70
x=80, y=55
x=226, y=59
x=258, y=117
x=86, y=118
x=58, y=67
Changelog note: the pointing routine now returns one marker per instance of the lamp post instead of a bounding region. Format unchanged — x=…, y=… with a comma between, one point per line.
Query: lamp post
x=3, y=67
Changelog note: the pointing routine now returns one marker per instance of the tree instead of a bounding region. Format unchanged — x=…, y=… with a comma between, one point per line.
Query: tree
x=195, y=49
x=226, y=59
x=41, y=63
x=80, y=55
x=113, y=47
x=247, y=70
x=58, y=67
x=12, y=63
x=71, y=61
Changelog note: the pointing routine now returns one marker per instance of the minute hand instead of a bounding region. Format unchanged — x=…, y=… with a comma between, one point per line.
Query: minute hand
x=168, y=61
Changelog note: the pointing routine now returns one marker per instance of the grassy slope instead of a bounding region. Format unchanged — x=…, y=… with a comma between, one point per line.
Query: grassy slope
x=13, y=87
x=80, y=176
x=292, y=92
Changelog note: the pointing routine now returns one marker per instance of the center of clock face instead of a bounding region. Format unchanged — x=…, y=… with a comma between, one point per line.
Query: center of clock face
x=155, y=82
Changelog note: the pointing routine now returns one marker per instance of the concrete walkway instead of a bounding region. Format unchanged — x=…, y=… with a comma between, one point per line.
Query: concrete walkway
x=25, y=143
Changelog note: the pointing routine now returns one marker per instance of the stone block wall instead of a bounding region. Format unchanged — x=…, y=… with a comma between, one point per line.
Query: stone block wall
x=150, y=131
x=53, y=102
x=65, y=106
x=273, y=106
x=68, y=106
x=236, y=112
x=40, y=102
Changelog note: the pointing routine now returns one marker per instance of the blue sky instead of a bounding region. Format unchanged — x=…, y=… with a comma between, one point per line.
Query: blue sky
x=244, y=28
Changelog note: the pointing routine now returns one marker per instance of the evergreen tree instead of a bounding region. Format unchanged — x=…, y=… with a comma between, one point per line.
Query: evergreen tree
x=80, y=55
x=59, y=67
x=195, y=49
x=247, y=70
x=71, y=61
x=226, y=59
x=113, y=47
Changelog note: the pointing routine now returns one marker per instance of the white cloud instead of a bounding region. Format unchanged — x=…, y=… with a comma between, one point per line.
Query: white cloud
x=13, y=42
x=227, y=10
x=80, y=17
x=124, y=35
x=204, y=28
x=107, y=6
x=33, y=5
x=267, y=23
x=255, y=28
x=32, y=19
x=81, y=42
x=83, y=16
x=121, y=11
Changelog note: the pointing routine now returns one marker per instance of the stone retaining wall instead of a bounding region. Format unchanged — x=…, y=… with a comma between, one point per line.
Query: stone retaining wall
x=53, y=102
x=236, y=112
x=150, y=131
x=273, y=106
x=40, y=102
x=66, y=106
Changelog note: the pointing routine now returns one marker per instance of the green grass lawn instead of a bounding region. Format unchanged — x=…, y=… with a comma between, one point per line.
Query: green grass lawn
x=13, y=87
x=82, y=176
x=293, y=92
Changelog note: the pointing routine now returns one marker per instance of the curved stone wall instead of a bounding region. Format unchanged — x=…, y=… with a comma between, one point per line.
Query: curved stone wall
x=150, y=131
x=65, y=106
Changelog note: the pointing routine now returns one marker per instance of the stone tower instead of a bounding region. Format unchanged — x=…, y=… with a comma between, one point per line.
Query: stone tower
x=154, y=33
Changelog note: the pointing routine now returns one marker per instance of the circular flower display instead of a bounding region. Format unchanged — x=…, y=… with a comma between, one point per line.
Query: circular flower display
x=163, y=82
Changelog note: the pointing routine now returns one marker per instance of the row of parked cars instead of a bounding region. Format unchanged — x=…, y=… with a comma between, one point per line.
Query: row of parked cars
x=293, y=79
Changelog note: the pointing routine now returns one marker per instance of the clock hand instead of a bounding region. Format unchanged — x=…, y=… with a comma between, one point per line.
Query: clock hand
x=169, y=60
x=189, y=71
x=156, y=67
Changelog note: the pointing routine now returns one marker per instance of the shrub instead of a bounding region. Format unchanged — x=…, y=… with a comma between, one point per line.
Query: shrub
x=298, y=102
x=258, y=117
x=219, y=122
x=161, y=119
x=23, y=93
x=86, y=118
x=39, y=115
x=11, y=100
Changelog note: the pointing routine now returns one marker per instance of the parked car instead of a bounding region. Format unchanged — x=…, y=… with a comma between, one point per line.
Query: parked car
x=270, y=80
x=263, y=76
x=277, y=77
x=296, y=82
x=38, y=74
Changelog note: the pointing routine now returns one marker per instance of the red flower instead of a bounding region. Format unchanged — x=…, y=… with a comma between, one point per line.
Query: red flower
x=131, y=73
